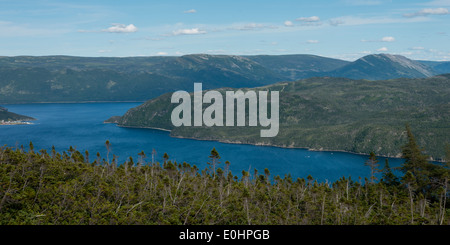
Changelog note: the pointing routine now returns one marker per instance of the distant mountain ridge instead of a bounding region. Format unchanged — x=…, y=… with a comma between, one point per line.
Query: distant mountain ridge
x=384, y=66
x=25, y=79
x=299, y=66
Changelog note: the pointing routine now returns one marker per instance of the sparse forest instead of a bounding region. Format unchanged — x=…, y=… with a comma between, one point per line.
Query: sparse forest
x=40, y=187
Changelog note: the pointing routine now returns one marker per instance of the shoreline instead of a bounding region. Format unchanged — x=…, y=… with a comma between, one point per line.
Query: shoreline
x=9, y=123
x=160, y=129
x=286, y=147
x=398, y=156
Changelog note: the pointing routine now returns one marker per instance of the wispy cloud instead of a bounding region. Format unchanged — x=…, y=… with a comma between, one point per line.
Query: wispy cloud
x=417, y=48
x=356, y=20
x=121, y=28
x=383, y=39
x=388, y=39
x=190, y=11
x=288, y=23
x=308, y=19
x=383, y=49
x=193, y=31
x=427, y=11
x=312, y=41
x=252, y=26
x=336, y=22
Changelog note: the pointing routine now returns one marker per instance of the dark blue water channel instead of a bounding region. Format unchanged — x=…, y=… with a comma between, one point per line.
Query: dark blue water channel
x=81, y=125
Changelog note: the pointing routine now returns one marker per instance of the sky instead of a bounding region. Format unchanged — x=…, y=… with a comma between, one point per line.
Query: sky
x=343, y=29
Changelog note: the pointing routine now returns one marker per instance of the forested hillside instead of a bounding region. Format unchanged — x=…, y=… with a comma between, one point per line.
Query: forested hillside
x=332, y=114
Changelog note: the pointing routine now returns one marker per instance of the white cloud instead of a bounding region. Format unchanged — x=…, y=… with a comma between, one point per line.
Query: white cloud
x=308, y=19
x=336, y=22
x=161, y=53
x=355, y=20
x=417, y=48
x=384, y=39
x=121, y=28
x=312, y=41
x=190, y=11
x=252, y=26
x=383, y=49
x=288, y=23
x=388, y=39
x=193, y=31
x=427, y=11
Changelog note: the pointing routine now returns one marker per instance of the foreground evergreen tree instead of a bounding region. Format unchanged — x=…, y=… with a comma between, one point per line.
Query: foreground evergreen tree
x=389, y=178
x=38, y=188
x=416, y=162
x=372, y=162
x=214, y=156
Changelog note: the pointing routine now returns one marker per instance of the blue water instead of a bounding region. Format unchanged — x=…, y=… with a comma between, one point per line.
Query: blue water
x=81, y=125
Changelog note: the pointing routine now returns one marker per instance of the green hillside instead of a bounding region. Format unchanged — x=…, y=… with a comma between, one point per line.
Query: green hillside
x=77, y=79
x=299, y=66
x=333, y=114
x=384, y=66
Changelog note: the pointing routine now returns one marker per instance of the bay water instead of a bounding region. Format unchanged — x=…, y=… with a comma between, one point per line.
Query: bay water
x=81, y=126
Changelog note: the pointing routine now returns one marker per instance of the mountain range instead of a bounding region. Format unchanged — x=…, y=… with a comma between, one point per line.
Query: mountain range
x=27, y=79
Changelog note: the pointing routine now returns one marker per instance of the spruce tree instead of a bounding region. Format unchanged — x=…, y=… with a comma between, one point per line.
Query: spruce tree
x=373, y=164
x=388, y=177
x=415, y=161
x=214, y=160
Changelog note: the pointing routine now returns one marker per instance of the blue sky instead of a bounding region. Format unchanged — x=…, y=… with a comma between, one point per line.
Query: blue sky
x=344, y=29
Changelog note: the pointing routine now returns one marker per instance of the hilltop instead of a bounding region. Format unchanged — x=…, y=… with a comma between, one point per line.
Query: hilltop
x=384, y=66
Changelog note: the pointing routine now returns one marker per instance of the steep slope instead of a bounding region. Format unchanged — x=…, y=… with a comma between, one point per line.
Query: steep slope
x=67, y=85
x=219, y=71
x=332, y=114
x=383, y=66
x=299, y=66
x=22, y=82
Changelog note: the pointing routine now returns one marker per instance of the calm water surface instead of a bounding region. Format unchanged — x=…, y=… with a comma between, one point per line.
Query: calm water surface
x=81, y=125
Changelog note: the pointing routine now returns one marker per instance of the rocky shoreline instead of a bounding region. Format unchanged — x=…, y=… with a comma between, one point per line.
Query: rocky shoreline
x=15, y=123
